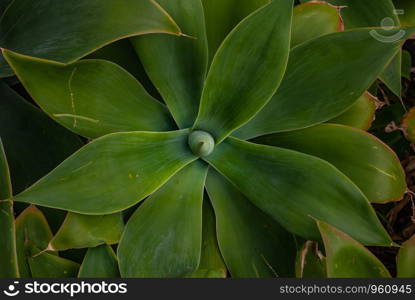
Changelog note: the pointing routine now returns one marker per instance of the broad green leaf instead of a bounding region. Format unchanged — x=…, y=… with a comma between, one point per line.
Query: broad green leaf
x=163, y=237
x=211, y=262
x=83, y=231
x=99, y=262
x=32, y=230
x=252, y=244
x=67, y=30
x=177, y=65
x=8, y=255
x=222, y=16
x=314, y=19
x=34, y=144
x=347, y=258
x=391, y=75
x=366, y=160
x=357, y=13
x=324, y=77
x=89, y=181
x=361, y=114
x=406, y=64
x=406, y=259
x=310, y=262
x=123, y=54
x=90, y=97
x=294, y=187
x=408, y=124
x=406, y=11
x=242, y=79
x=46, y=265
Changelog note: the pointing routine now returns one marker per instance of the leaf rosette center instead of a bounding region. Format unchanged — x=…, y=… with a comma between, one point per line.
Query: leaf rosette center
x=201, y=143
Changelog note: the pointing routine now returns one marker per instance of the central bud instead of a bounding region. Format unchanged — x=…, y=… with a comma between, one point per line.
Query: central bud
x=201, y=143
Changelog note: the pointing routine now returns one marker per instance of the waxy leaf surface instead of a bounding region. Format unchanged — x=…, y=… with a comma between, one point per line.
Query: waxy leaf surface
x=294, y=188
x=252, y=243
x=99, y=262
x=163, y=237
x=89, y=181
x=90, y=97
x=242, y=79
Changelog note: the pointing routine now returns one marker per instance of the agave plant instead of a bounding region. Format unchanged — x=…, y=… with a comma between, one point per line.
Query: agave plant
x=242, y=115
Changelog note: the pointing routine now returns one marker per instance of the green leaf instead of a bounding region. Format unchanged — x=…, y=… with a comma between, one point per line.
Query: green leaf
x=391, y=75
x=406, y=64
x=99, y=262
x=172, y=246
x=252, y=244
x=83, y=231
x=46, y=265
x=376, y=170
x=346, y=258
x=407, y=7
x=318, y=85
x=358, y=13
x=34, y=144
x=211, y=262
x=222, y=16
x=406, y=259
x=123, y=54
x=69, y=30
x=361, y=114
x=8, y=255
x=32, y=230
x=242, y=79
x=293, y=187
x=89, y=181
x=408, y=124
x=90, y=97
x=177, y=65
x=310, y=262
x=314, y=19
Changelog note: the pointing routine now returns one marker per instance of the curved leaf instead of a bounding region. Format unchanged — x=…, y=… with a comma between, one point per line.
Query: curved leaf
x=222, y=16
x=83, y=231
x=172, y=246
x=123, y=54
x=71, y=29
x=34, y=144
x=242, y=79
x=89, y=181
x=99, y=262
x=361, y=114
x=314, y=19
x=366, y=160
x=32, y=230
x=346, y=258
x=8, y=255
x=46, y=265
x=391, y=75
x=252, y=244
x=177, y=65
x=406, y=259
x=90, y=97
x=211, y=262
x=293, y=187
x=318, y=86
